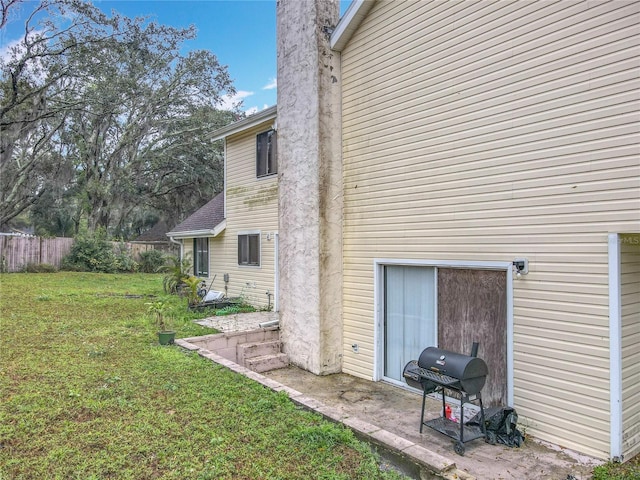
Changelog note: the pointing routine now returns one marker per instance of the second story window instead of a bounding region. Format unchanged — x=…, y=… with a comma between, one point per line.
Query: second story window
x=266, y=163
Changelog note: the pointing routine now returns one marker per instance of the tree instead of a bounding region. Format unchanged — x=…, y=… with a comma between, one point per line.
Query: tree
x=6, y=6
x=186, y=171
x=107, y=110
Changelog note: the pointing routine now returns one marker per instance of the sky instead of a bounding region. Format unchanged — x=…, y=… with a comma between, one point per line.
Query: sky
x=241, y=33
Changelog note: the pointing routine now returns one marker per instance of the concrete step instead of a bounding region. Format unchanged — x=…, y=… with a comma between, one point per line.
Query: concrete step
x=265, y=363
x=245, y=351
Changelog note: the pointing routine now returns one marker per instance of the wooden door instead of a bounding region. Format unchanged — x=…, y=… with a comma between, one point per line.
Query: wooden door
x=472, y=307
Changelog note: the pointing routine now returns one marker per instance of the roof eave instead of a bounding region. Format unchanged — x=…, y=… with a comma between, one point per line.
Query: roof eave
x=349, y=22
x=246, y=123
x=217, y=230
x=147, y=242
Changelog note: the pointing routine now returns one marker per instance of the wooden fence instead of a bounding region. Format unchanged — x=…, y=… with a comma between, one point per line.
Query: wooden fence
x=17, y=252
x=137, y=248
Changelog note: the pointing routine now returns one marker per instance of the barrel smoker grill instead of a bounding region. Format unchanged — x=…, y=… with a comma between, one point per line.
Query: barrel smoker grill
x=438, y=370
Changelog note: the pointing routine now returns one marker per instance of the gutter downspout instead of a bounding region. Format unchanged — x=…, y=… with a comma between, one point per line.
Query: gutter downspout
x=270, y=323
x=172, y=240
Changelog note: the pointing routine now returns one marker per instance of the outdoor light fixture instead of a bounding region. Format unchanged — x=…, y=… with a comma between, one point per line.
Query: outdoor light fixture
x=520, y=266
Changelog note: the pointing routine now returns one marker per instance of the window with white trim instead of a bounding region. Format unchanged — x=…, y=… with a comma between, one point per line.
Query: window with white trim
x=266, y=162
x=249, y=249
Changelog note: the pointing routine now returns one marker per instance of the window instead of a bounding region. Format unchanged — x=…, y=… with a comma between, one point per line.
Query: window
x=249, y=249
x=201, y=254
x=409, y=315
x=266, y=162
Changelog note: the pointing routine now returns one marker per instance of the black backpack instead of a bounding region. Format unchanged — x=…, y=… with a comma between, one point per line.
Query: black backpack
x=501, y=424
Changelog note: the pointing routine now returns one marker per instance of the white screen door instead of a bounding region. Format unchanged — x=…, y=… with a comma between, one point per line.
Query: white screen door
x=409, y=316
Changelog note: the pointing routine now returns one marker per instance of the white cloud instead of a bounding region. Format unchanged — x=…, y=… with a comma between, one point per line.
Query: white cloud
x=273, y=84
x=7, y=48
x=229, y=102
x=252, y=110
x=15, y=49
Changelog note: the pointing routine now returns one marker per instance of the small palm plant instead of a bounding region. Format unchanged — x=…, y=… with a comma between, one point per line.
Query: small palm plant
x=192, y=285
x=177, y=271
x=158, y=310
x=161, y=313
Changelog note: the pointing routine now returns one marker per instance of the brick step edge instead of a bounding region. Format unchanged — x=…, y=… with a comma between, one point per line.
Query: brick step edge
x=264, y=363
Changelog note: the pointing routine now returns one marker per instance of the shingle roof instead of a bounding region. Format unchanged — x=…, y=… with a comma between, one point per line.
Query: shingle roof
x=205, y=219
x=158, y=233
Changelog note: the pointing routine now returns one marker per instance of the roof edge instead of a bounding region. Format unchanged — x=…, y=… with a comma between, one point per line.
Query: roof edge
x=217, y=230
x=148, y=242
x=349, y=22
x=245, y=123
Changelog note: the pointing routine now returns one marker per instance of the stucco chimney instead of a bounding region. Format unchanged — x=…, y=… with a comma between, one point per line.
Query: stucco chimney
x=310, y=185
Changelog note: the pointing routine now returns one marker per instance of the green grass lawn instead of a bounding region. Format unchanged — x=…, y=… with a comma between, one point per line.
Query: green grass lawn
x=87, y=393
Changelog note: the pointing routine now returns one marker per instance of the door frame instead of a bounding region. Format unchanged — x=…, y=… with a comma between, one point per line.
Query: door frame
x=378, y=300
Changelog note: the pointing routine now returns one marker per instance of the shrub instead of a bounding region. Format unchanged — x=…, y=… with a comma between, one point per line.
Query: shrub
x=176, y=272
x=92, y=252
x=124, y=261
x=151, y=261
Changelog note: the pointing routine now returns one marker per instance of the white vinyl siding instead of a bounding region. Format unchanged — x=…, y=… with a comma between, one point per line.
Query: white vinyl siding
x=489, y=131
x=251, y=206
x=630, y=303
x=187, y=249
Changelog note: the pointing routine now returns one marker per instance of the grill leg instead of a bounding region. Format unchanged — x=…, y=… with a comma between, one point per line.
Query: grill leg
x=424, y=397
x=461, y=420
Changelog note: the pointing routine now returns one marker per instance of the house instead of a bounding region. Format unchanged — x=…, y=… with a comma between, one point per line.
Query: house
x=232, y=240
x=452, y=172
x=153, y=239
x=428, y=149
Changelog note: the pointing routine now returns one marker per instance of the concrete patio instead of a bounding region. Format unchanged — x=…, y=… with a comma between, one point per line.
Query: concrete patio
x=388, y=417
x=395, y=414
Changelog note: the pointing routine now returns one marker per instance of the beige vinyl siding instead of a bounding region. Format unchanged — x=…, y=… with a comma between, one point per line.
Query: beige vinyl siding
x=187, y=251
x=252, y=206
x=630, y=302
x=486, y=131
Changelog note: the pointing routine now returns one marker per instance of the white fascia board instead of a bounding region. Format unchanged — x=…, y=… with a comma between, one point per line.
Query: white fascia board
x=245, y=123
x=200, y=233
x=349, y=22
x=220, y=228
